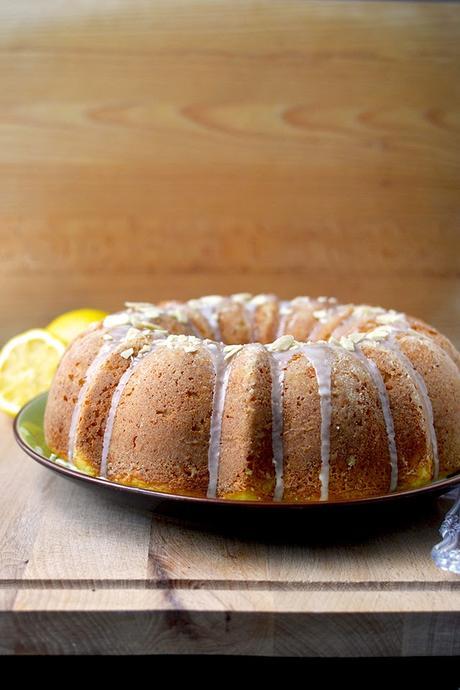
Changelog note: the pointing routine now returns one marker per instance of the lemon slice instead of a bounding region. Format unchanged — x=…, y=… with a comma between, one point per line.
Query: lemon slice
x=67, y=326
x=27, y=366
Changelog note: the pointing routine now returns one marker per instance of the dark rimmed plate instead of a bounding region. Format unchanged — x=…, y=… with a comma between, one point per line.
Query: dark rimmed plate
x=28, y=430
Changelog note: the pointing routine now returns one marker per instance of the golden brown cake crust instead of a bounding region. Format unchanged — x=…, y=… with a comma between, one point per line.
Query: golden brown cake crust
x=95, y=406
x=161, y=431
x=66, y=387
x=302, y=432
x=246, y=451
x=443, y=386
x=415, y=460
x=359, y=460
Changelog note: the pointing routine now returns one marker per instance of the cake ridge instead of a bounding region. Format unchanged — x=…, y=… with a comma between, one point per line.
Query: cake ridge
x=387, y=415
x=277, y=360
x=116, y=397
x=425, y=398
x=221, y=376
x=105, y=349
x=319, y=355
x=117, y=335
x=208, y=307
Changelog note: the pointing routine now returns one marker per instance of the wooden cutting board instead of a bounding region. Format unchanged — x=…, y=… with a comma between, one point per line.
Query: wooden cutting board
x=82, y=574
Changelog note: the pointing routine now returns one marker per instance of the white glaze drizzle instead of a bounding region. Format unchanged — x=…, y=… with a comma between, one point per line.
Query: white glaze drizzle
x=222, y=374
x=364, y=313
x=318, y=327
x=420, y=384
x=319, y=354
x=379, y=383
x=313, y=305
x=175, y=311
x=209, y=308
x=249, y=311
x=106, y=349
x=284, y=312
x=116, y=397
x=196, y=331
x=358, y=316
x=277, y=360
x=250, y=307
x=183, y=316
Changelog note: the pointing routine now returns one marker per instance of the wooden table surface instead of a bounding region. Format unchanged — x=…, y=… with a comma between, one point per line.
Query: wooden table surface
x=80, y=573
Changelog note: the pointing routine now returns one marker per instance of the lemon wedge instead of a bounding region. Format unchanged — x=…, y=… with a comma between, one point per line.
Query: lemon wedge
x=67, y=326
x=27, y=366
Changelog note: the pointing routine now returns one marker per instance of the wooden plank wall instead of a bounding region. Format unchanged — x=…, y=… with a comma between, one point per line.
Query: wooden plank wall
x=186, y=147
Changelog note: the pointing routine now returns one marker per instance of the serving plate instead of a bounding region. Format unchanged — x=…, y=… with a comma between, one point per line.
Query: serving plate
x=29, y=434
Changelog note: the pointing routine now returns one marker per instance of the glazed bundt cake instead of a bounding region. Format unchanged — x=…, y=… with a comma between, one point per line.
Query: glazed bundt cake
x=254, y=398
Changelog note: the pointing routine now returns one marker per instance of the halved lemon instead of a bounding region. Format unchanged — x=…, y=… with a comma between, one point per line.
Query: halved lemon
x=67, y=326
x=27, y=366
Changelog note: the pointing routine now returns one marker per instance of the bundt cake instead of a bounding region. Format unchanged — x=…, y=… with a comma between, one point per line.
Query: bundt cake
x=255, y=398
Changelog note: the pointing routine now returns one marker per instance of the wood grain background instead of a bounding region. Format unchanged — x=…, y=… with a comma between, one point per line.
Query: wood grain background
x=185, y=147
